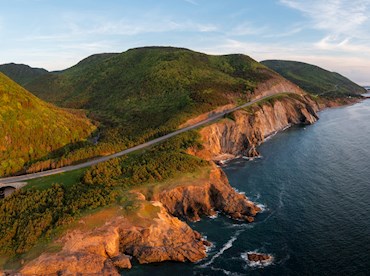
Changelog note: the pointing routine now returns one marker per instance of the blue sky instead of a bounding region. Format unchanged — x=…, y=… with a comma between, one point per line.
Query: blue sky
x=56, y=34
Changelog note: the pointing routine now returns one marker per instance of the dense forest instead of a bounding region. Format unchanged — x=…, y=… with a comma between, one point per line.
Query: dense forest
x=30, y=129
x=31, y=214
x=21, y=73
x=315, y=80
x=145, y=92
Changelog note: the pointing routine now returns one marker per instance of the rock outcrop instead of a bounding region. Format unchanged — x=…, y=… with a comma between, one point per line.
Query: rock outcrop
x=258, y=259
x=205, y=198
x=165, y=238
x=83, y=252
x=249, y=127
x=150, y=235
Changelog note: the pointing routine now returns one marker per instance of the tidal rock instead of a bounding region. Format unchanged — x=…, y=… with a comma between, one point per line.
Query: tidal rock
x=259, y=257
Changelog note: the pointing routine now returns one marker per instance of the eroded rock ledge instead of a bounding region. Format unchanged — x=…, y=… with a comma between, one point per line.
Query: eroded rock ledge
x=194, y=200
x=151, y=235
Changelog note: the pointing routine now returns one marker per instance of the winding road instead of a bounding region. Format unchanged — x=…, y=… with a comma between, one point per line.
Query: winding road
x=95, y=161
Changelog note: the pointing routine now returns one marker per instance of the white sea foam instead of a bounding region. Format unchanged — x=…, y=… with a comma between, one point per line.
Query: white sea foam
x=258, y=264
x=252, y=158
x=270, y=136
x=210, y=247
x=215, y=215
x=261, y=206
x=224, y=271
x=281, y=195
x=239, y=192
x=225, y=247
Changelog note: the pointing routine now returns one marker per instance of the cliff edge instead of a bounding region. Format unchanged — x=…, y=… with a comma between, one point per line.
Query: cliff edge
x=245, y=129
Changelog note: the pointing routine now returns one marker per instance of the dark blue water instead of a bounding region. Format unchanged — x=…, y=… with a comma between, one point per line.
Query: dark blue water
x=315, y=184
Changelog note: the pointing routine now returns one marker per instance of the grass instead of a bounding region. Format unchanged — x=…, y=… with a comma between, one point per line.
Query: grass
x=65, y=179
x=198, y=177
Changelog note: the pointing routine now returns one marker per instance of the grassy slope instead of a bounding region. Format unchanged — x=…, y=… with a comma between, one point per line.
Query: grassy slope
x=315, y=80
x=147, y=91
x=20, y=73
x=31, y=128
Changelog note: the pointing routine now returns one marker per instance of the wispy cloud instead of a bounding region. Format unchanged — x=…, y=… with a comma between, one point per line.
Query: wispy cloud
x=77, y=27
x=193, y=2
x=247, y=28
x=340, y=17
x=335, y=43
x=292, y=31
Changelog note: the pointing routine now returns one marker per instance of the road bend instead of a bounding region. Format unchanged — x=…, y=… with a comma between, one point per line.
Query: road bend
x=98, y=160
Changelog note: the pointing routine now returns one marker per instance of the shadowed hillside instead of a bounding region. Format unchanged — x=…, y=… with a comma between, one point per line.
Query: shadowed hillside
x=315, y=80
x=31, y=128
x=20, y=73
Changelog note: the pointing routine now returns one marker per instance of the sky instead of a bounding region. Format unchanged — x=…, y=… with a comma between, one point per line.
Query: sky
x=56, y=34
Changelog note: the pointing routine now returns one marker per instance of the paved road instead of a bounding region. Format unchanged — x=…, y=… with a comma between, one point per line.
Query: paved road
x=127, y=151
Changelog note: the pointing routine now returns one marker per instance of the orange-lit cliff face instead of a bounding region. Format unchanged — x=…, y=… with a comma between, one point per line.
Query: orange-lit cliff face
x=247, y=129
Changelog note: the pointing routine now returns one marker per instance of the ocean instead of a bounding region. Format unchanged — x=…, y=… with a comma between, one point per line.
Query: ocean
x=313, y=183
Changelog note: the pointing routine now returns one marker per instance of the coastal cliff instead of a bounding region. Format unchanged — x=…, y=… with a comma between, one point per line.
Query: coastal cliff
x=149, y=235
x=245, y=129
x=206, y=198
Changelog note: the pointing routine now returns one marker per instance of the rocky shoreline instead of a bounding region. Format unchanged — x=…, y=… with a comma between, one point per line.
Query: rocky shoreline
x=152, y=234
x=155, y=233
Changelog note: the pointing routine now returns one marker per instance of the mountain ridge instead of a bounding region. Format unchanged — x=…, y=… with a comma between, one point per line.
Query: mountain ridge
x=314, y=79
x=21, y=73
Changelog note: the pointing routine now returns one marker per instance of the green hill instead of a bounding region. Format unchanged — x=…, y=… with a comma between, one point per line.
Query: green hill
x=314, y=79
x=145, y=92
x=31, y=129
x=20, y=73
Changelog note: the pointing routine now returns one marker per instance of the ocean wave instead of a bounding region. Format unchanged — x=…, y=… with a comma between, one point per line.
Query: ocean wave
x=263, y=207
x=281, y=195
x=224, y=271
x=252, y=158
x=241, y=225
x=225, y=247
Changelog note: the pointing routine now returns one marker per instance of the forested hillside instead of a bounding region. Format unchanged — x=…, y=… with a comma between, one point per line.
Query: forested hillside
x=21, y=73
x=315, y=80
x=30, y=129
x=148, y=91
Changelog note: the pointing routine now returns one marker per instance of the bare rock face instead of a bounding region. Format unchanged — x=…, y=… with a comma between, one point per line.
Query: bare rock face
x=122, y=261
x=165, y=239
x=151, y=235
x=83, y=252
x=216, y=194
x=250, y=128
